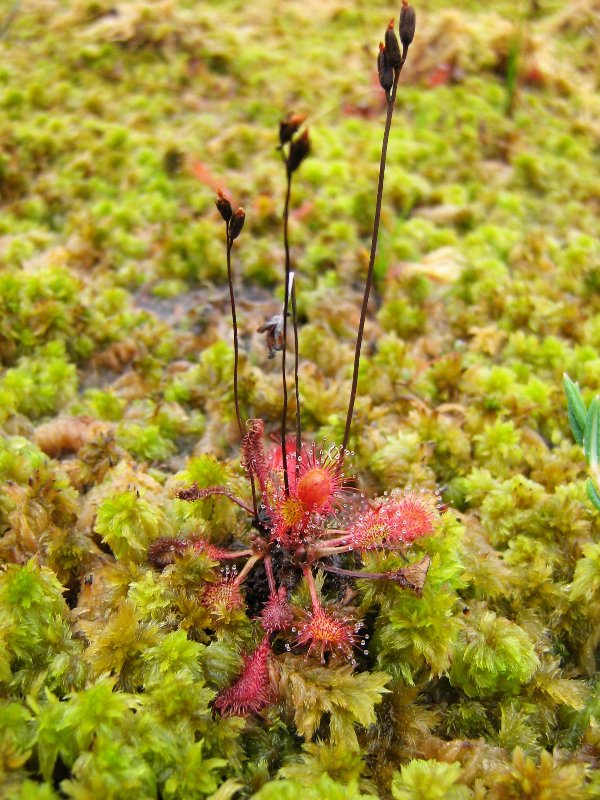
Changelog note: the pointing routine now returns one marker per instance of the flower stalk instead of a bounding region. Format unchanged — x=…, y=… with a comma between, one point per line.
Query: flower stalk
x=384, y=62
x=286, y=299
x=234, y=222
x=294, y=149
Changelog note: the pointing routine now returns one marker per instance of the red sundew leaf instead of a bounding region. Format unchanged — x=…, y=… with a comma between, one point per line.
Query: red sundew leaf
x=320, y=481
x=396, y=521
x=194, y=492
x=253, y=456
x=325, y=631
x=252, y=690
x=209, y=549
x=224, y=594
x=163, y=551
x=277, y=613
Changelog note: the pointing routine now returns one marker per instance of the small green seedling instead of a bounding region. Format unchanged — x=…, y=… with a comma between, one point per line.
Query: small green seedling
x=585, y=426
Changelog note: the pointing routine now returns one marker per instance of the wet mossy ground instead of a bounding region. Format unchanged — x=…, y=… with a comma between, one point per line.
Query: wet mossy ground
x=117, y=124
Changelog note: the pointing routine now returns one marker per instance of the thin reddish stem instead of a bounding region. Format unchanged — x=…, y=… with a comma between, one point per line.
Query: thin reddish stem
x=270, y=576
x=296, y=380
x=334, y=542
x=235, y=554
x=236, y=399
x=351, y=573
x=239, y=503
x=332, y=551
x=369, y=281
x=312, y=588
x=286, y=482
x=236, y=358
x=241, y=577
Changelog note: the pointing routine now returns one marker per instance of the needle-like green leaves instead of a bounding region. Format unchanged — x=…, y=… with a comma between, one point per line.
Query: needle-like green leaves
x=585, y=426
x=575, y=409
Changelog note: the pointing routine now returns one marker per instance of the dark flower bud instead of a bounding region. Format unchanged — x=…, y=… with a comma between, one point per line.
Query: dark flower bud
x=236, y=223
x=289, y=126
x=392, y=48
x=224, y=206
x=299, y=149
x=386, y=73
x=407, y=25
x=381, y=60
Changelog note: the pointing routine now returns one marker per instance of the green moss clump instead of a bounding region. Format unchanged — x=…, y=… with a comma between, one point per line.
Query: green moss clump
x=429, y=780
x=129, y=523
x=38, y=644
x=493, y=656
x=323, y=789
x=38, y=385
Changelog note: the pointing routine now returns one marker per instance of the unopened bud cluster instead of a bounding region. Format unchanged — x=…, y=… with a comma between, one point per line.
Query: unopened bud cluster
x=389, y=58
x=233, y=219
x=408, y=23
x=299, y=145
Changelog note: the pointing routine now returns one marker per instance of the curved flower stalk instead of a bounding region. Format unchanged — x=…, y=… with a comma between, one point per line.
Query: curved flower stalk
x=389, y=67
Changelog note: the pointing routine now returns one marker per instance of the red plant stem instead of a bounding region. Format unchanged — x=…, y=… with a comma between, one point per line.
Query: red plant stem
x=239, y=503
x=351, y=573
x=205, y=494
x=236, y=399
x=270, y=576
x=286, y=210
x=335, y=546
x=296, y=381
x=363, y=312
x=325, y=550
x=247, y=568
x=236, y=358
x=235, y=554
x=333, y=542
x=312, y=588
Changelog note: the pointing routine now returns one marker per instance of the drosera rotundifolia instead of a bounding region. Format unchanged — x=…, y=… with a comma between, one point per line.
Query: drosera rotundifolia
x=307, y=518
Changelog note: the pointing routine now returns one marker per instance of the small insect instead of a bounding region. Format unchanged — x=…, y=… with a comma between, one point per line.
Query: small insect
x=413, y=576
x=274, y=330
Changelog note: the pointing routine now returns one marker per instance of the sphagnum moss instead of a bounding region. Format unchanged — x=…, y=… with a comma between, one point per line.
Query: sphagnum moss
x=109, y=159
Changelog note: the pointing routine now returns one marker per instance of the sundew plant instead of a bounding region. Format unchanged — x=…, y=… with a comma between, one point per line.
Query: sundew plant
x=291, y=504
x=300, y=492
